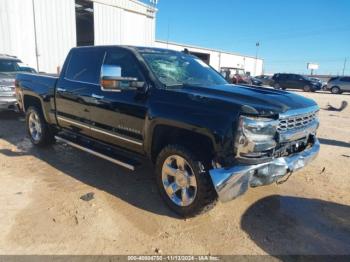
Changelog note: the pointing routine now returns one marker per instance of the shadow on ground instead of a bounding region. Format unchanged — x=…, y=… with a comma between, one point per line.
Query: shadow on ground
x=277, y=224
x=136, y=188
x=285, y=225
x=332, y=142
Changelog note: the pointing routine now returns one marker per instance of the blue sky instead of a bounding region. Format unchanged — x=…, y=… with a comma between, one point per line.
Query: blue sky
x=291, y=33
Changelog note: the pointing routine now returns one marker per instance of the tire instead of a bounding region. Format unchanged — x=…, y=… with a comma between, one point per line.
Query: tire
x=307, y=88
x=335, y=90
x=276, y=86
x=200, y=198
x=38, y=130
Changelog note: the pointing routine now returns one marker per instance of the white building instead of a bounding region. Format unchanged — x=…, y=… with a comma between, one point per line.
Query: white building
x=41, y=32
x=219, y=59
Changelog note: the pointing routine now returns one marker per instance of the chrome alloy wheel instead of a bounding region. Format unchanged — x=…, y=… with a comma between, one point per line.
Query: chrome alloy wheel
x=34, y=126
x=179, y=180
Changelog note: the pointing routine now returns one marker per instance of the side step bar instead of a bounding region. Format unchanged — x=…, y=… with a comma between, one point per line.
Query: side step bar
x=95, y=153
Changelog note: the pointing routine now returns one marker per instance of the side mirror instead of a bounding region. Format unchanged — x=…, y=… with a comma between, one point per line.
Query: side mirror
x=112, y=80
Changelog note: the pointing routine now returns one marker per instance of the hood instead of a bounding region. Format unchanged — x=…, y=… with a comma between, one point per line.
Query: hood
x=252, y=100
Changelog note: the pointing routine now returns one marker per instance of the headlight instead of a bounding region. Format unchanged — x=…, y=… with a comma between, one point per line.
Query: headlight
x=6, y=88
x=255, y=136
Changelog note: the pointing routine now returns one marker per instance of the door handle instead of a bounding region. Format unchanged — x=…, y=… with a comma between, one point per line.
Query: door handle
x=61, y=89
x=97, y=96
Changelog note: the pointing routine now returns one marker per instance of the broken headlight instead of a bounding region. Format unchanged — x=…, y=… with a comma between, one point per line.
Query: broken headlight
x=255, y=137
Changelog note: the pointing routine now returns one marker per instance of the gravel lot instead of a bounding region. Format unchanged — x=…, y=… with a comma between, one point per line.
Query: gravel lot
x=42, y=213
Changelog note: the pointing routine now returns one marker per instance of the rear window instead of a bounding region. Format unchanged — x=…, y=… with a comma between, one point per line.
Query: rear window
x=345, y=79
x=85, y=65
x=282, y=77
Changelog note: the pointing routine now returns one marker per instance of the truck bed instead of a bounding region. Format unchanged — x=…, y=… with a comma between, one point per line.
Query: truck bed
x=41, y=84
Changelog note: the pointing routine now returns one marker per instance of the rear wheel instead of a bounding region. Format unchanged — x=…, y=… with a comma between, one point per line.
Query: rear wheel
x=38, y=130
x=276, y=86
x=335, y=90
x=307, y=88
x=183, y=182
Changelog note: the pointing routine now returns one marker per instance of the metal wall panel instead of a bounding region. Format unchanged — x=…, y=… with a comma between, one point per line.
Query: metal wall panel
x=127, y=22
x=56, y=32
x=115, y=25
x=108, y=24
x=17, y=30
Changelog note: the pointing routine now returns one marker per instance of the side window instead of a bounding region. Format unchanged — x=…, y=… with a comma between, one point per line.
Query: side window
x=283, y=77
x=345, y=79
x=85, y=65
x=126, y=61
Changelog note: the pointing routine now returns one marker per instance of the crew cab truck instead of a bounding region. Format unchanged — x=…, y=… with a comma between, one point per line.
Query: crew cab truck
x=208, y=139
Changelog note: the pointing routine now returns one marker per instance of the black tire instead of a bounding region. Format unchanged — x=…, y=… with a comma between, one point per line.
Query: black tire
x=335, y=90
x=46, y=137
x=276, y=86
x=206, y=196
x=307, y=88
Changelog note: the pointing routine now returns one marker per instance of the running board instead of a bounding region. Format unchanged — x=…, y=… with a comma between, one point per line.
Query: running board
x=95, y=153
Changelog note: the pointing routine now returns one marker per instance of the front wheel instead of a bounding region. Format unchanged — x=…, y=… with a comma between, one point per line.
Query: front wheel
x=307, y=88
x=335, y=90
x=38, y=130
x=183, y=182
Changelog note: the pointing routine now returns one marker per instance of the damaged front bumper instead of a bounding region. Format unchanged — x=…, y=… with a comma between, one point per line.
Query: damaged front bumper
x=232, y=182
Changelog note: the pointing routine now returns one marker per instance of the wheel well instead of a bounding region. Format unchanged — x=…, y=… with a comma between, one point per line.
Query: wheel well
x=166, y=135
x=31, y=101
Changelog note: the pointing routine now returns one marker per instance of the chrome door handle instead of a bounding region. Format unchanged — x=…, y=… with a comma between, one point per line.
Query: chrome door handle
x=97, y=96
x=61, y=90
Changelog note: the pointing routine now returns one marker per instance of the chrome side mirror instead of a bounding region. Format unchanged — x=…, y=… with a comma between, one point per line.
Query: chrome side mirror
x=112, y=79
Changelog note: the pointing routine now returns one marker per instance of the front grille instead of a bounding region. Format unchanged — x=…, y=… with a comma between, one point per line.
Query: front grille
x=296, y=121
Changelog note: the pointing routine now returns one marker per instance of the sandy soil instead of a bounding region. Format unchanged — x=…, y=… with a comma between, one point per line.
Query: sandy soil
x=42, y=213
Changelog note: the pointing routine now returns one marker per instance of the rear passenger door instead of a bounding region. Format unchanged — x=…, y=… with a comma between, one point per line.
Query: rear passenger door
x=75, y=88
x=294, y=81
x=118, y=116
x=345, y=84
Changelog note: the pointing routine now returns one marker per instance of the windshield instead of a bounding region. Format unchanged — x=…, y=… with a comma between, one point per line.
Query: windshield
x=9, y=66
x=176, y=69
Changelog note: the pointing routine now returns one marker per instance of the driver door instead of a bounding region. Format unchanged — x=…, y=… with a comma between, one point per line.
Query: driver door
x=118, y=115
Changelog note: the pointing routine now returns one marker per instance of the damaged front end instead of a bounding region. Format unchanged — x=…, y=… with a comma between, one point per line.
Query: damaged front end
x=268, y=150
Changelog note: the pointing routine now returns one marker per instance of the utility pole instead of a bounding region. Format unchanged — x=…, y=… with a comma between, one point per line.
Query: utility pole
x=256, y=56
x=345, y=60
x=35, y=38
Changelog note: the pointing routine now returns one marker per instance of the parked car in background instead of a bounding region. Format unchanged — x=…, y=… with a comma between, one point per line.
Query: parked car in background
x=338, y=85
x=256, y=81
x=9, y=66
x=323, y=83
x=235, y=75
x=206, y=138
x=265, y=79
x=295, y=81
x=26, y=68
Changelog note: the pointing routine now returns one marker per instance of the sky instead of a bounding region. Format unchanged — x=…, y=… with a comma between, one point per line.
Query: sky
x=290, y=33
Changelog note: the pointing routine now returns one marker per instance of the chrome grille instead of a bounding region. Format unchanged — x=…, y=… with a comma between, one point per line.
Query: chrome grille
x=296, y=121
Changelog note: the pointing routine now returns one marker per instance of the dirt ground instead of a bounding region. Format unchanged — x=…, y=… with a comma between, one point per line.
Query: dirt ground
x=42, y=213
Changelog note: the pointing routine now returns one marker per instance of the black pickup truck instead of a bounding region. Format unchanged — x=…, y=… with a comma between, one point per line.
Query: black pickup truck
x=208, y=139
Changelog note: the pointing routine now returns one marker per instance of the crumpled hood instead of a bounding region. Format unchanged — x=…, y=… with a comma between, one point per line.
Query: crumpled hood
x=264, y=101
